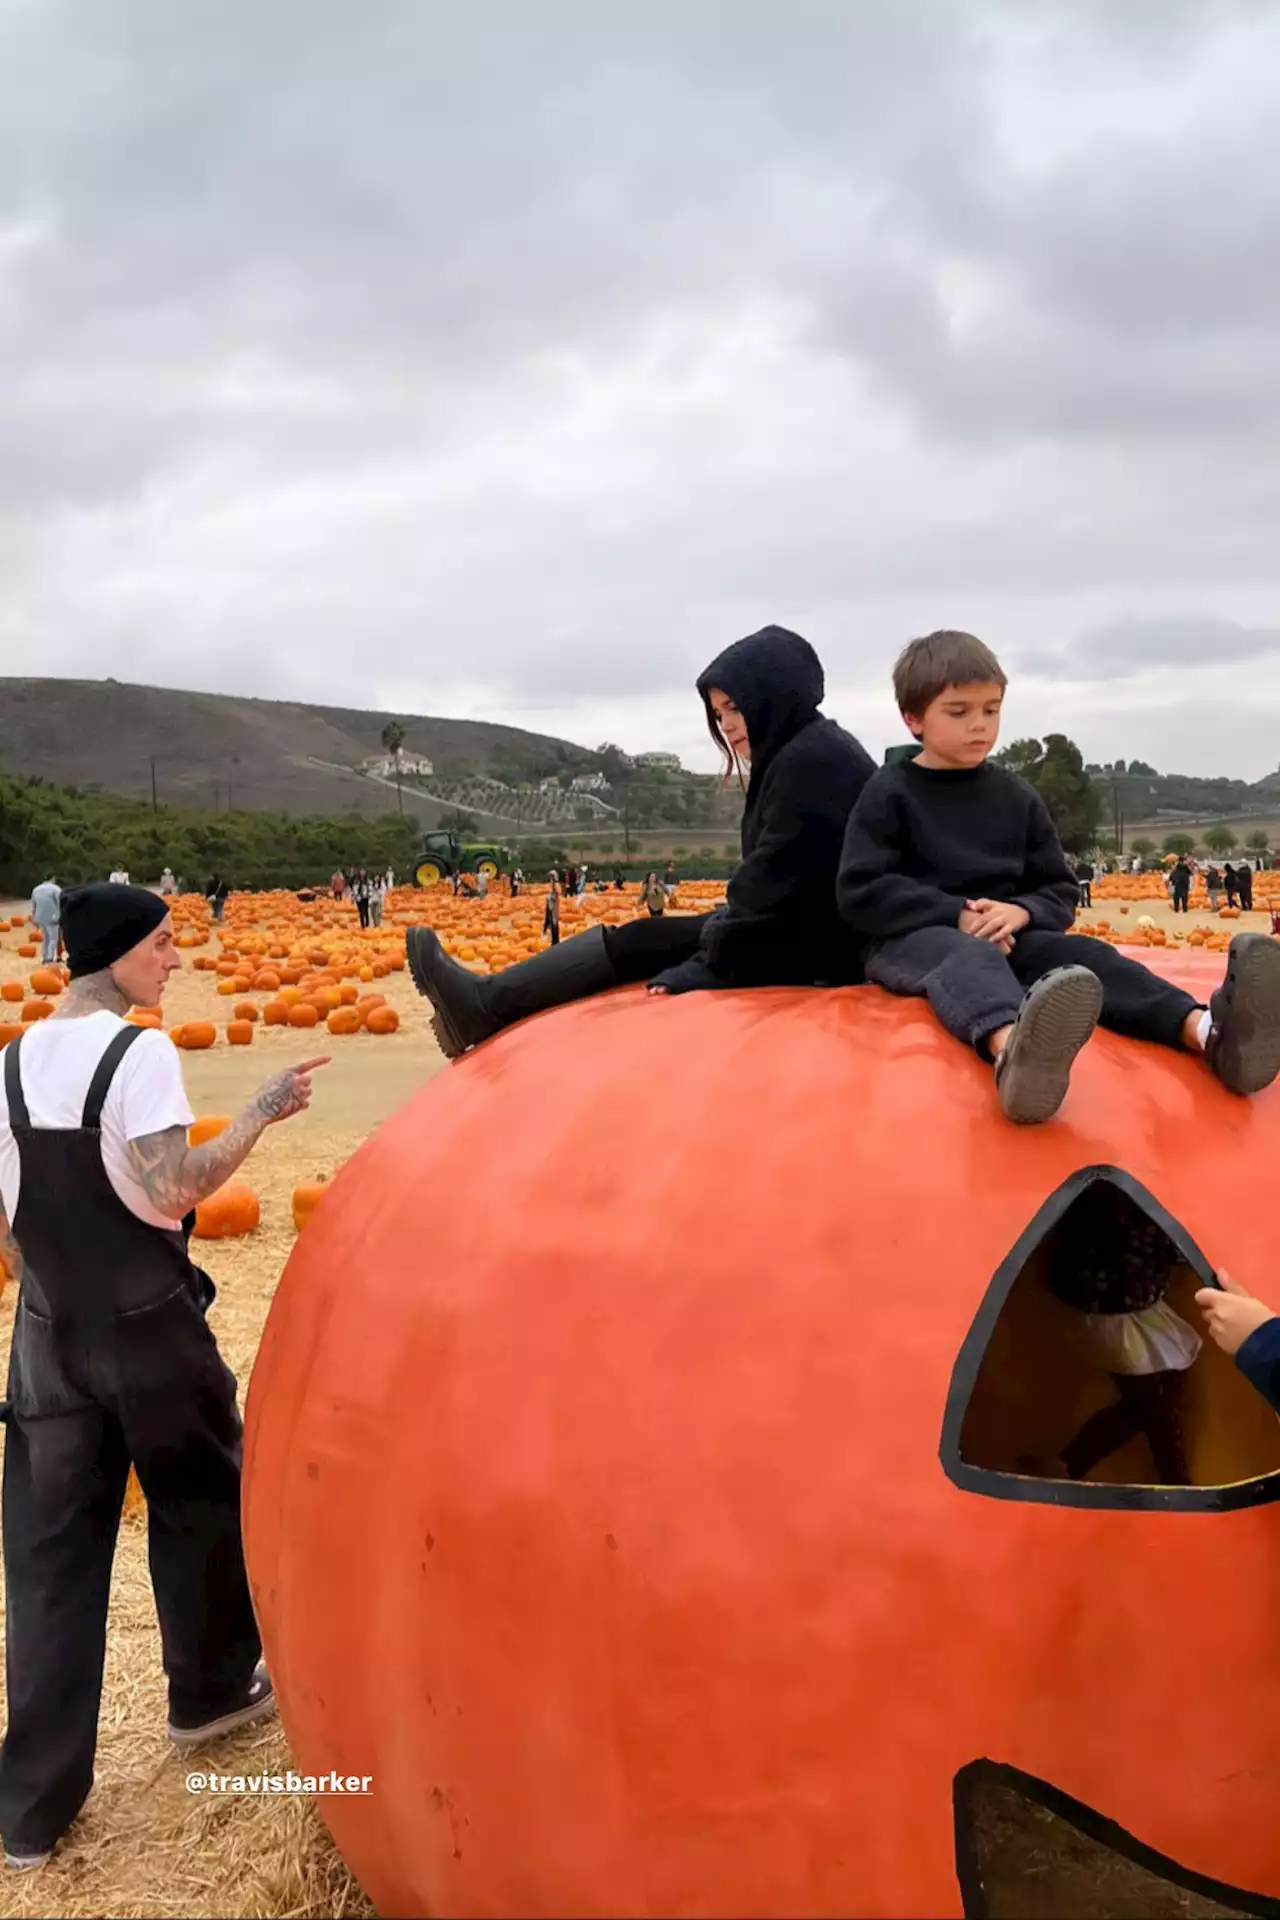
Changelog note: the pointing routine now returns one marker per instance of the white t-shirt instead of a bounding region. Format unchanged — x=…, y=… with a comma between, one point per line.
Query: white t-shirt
x=146, y=1096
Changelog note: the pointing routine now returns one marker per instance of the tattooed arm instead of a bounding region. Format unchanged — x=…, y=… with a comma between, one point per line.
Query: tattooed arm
x=10, y=1251
x=176, y=1177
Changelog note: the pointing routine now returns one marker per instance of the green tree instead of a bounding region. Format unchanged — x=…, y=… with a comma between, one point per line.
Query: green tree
x=1259, y=842
x=1220, y=839
x=393, y=740
x=1144, y=848
x=1056, y=771
x=1179, y=843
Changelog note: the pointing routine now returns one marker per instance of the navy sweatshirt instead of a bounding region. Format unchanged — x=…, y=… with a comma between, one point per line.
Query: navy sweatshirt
x=1258, y=1359
x=921, y=841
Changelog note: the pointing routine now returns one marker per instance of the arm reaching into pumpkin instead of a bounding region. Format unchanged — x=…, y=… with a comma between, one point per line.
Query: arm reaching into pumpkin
x=175, y=1176
x=1247, y=1329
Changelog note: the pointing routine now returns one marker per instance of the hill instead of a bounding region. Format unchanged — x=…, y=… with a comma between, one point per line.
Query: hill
x=1160, y=802
x=214, y=750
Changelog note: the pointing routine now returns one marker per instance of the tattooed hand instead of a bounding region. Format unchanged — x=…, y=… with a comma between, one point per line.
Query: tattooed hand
x=287, y=1093
x=176, y=1177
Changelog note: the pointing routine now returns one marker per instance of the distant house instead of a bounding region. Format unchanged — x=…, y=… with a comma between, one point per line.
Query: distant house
x=669, y=760
x=384, y=765
x=549, y=785
x=590, y=783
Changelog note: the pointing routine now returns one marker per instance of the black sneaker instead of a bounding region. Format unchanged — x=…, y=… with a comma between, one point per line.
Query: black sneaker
x=23, y=1859
x=1244, y=1043
x=1055, y=1019
x=258, y=1704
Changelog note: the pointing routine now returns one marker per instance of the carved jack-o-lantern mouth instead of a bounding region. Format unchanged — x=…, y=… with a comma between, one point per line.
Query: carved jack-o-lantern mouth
x=1025, y=1851
x=1032, y=1381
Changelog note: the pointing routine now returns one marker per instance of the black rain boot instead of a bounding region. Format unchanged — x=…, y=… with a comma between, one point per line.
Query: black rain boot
x=1244, y=1043
x=470, y=1009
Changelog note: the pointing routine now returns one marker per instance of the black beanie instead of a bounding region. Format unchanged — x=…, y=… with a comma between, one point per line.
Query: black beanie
x=102, y=922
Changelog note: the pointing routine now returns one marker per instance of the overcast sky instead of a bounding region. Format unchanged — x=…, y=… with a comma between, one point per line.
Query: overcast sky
x=508, y=360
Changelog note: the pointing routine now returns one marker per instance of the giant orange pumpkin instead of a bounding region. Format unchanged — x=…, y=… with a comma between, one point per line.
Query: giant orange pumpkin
x=685, y=1476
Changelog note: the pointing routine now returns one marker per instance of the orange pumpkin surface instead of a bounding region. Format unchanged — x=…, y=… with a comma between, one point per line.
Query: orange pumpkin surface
x=10, y=1030
x=343, y=1020
x=725, y=1515
x=207, y=1126
x=231, y=1211
x=240, y=1033
x=13, y=990
x=307, y=1196
x=381, y=1020
x=45, y=980
x=37, y=1010
x=196, y=1035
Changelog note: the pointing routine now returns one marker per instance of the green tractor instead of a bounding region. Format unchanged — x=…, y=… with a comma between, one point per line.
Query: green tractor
x=441, y=855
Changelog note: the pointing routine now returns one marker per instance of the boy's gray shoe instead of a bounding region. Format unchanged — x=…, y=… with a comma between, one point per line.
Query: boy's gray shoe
x=1244, y=1043
x=1055, y=1019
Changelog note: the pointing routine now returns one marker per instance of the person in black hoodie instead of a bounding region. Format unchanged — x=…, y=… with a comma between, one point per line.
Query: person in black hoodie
x=779, y=925
x=953, y=870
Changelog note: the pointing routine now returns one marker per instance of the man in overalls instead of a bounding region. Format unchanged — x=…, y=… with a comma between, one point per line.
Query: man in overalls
x=112, y=1361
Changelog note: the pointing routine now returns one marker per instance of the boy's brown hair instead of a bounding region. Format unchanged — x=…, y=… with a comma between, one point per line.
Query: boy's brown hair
x=927, y=667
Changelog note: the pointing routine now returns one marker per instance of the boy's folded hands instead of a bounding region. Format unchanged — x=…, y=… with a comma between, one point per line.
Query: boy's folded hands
x=995, y=920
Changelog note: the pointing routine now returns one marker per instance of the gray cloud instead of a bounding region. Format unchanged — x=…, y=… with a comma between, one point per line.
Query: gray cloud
x=1123, y=648
x=513, y=358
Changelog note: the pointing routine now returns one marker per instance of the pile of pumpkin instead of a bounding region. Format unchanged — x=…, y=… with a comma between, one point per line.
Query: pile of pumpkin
x=1146, y=933
x=291, y=952
x=43, y=985
x=1154, y=886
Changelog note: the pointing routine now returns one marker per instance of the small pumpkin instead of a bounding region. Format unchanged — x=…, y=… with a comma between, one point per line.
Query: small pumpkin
x=276, y=1013
x=28, y=950
x=343, y=1020
x=45, y=980
x=207, y=1126
x=196, y=1035
x=135, y=1502
x=382, y=1020
x=231, y=1211
x=307, y=1196
x=146, y=1017
x=246, y=1010
x=13, y=990
x=240, y=1033
x=37, y=1010
x=303, y=1015
x=10, y=1030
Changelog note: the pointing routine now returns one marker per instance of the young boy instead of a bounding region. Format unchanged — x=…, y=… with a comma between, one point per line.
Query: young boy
x=954, y=874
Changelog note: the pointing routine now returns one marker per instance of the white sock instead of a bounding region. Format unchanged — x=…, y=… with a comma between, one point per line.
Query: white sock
x=1204, y=1029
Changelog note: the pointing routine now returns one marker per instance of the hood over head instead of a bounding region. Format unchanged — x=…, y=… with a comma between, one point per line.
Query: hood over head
x=775, y=680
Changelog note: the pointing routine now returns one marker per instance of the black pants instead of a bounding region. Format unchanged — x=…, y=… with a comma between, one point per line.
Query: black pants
x=973, y=988
x=643, y=948
x=1150, y=1404
x=1180, y=899
x=362, y=908
x=1086, y=892
x=151, y=1387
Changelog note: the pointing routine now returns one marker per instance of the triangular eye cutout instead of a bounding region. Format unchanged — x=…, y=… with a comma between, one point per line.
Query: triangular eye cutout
x=1085, y=1380
x=1025, y=1851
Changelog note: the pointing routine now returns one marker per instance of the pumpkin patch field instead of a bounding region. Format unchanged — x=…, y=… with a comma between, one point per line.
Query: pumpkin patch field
x=278, y=981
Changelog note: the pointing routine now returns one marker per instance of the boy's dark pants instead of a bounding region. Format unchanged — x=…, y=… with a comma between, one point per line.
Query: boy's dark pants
x=973, y=988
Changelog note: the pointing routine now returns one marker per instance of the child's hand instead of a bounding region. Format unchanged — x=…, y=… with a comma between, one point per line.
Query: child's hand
x=995, y=920
x=1231, y=1315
